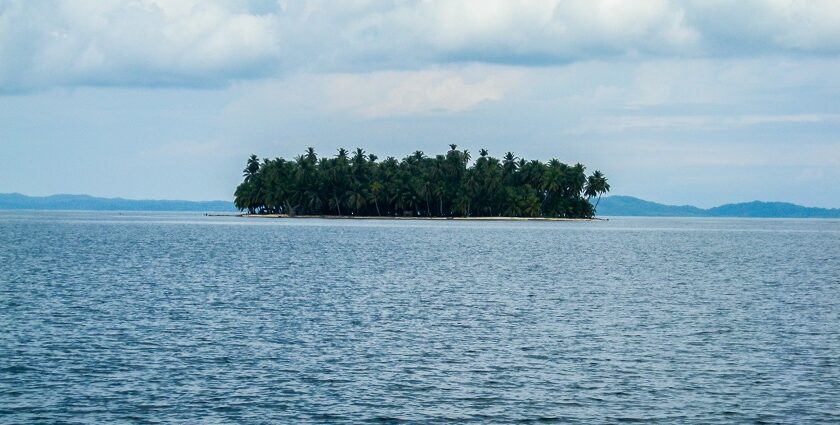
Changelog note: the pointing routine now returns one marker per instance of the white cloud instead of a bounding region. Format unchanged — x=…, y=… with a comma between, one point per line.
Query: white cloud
x=392, y=93
x=687, y=157
x=196, y=43
x=130, y=43
x=626, y=123
x=768, y=25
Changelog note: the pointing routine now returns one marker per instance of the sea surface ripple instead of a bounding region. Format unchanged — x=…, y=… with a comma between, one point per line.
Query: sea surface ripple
x=153, y=318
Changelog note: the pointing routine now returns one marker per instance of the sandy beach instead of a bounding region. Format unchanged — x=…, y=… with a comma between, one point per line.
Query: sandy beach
x=420, y=218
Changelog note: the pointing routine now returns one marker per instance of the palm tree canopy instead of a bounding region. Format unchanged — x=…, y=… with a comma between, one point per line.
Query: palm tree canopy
x=441, y=185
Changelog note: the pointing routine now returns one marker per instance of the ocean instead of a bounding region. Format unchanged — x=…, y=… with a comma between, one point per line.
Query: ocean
x=178, y=317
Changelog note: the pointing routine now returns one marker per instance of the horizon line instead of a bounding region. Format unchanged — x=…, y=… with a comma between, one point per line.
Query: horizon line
x=231, y=201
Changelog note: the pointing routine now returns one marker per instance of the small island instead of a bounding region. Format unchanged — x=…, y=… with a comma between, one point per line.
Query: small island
x=443, y=186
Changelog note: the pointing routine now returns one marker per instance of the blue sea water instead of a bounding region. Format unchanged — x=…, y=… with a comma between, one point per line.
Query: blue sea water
x=109, y=317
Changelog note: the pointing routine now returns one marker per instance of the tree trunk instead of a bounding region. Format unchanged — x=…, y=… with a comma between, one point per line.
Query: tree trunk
x=375, y=202
x=337, y=204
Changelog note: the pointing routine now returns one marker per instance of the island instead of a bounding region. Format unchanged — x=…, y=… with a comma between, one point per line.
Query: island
x=418, y=186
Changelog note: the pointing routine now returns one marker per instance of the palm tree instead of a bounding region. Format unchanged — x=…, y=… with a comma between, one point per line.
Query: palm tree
x=356, y=199
x=424, y=189
x=359, y=156
x=243, y=197
x=310, y=155
x=251, y=168
x=375, y=193
x=510, y=167
x=554, y=183
x=596, y=184
x=249, y=194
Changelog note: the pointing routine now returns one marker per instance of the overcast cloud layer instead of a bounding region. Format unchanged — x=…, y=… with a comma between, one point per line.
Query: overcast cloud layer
x=695, y=101
x=189, y=43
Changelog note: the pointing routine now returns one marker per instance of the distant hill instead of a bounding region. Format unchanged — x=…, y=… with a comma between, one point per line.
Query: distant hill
x=630, y=206
x=17, y=201
x=609, y=206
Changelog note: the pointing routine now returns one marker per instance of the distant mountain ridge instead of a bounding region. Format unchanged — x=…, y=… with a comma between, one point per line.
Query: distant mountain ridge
x=609, y=206
x=630, y=206
x=17, y=201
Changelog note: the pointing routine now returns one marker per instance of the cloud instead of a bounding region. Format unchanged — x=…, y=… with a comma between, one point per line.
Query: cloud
x=625, y=123
x=392, y=93
x=554, y=32
x=682, y=157
x=209, y=43
x=767, y=26
x=144, y=43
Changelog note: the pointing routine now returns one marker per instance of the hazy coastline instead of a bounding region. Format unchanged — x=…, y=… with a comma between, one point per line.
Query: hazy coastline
x=345, y=217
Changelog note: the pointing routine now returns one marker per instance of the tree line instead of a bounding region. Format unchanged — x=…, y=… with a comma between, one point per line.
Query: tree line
x=445, y=185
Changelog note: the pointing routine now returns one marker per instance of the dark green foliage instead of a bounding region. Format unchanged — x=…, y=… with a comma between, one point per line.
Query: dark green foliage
x=440, y=186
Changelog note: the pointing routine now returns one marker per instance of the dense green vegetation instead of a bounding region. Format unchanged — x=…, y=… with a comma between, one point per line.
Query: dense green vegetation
x=441, y=186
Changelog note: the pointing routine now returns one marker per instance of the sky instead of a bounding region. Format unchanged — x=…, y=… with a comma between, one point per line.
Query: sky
x=683, y=102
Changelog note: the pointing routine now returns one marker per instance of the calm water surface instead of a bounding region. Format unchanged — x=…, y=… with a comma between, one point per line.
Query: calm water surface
x=108, y=317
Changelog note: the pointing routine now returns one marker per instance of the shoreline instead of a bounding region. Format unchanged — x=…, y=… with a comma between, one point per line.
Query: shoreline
x=345, y=217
